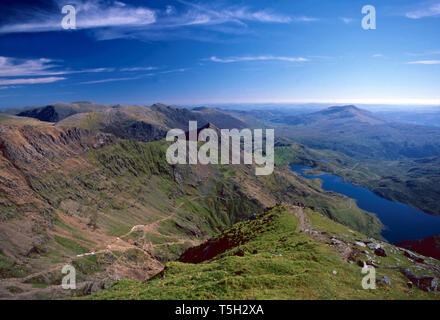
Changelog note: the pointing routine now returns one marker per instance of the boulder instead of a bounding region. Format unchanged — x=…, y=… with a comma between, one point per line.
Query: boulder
x=413, y=257
x=373, y=245
x=361, y=263
x=385, y=281
x=38, y=246
x=380, y=252
x=423, y=282
x=360, y=244
x=336, y=241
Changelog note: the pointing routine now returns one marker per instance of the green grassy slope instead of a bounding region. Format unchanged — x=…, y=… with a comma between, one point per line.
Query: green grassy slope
x=267, y=258
x=125, y=196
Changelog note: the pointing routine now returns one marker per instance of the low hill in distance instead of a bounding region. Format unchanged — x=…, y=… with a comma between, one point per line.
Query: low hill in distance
x=338, y=115
x=360, y=134
x=56, y=111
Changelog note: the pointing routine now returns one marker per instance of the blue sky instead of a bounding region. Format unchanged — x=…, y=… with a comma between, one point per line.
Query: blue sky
x=196, y=52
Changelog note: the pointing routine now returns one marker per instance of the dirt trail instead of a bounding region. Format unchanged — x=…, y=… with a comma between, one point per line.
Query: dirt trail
x=151, y=227
x=108, y=245
x=304, y=223
x=114, y=244
x=345, y=250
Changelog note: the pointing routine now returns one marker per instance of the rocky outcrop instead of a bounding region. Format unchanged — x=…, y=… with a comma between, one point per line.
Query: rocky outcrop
x=48, y=113
x=413, y=257
x=28, y=154
x=24, y=146
x=138, y=130
x=424, y=282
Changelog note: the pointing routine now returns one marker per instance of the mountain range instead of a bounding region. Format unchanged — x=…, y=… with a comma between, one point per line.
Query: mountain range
x=90, y=186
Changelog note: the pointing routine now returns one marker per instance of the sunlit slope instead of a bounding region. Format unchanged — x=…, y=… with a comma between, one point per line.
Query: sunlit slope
x=88, y=192
x=283, y=254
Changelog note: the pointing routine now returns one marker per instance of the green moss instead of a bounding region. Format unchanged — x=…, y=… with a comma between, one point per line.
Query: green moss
x=10, y=269
x=14, y=289
x=87, y=265
x=70, y=245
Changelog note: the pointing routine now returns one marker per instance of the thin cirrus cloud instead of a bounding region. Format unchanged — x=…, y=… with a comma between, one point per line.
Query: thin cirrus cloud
x=239, y=15
x=134, y=77
x=346, y=20
x=8, y=87
x=31, y=80
x=138, y=69
x=428, y=62
x=48, y=71
x=13, y=67
x=431, y=10
x=257, y=58
x=304, y=19
x=110, y=80
x=115, y=19
x=89, y=15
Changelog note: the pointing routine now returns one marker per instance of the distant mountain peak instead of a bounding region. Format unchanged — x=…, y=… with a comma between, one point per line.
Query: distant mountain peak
x=346, y=107
x=199, y=108
x=337, y=115
x=209, y=125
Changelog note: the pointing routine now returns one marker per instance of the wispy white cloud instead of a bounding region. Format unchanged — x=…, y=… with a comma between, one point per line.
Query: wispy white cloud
x=245, y=14
x=170, y=10
x=304, y=19
x=139, y=69
x=31, y=80
x=13, y=67
x=8, y=87
x=424, y=62
x=115, y=19
x=429, y=10
x=377, y=55
x=89, y=14
x=16, y=67
x=346, y=20
x=110, y=80
x=140, y=76
x=217, y=14
x=172, y=71
x=257, y=58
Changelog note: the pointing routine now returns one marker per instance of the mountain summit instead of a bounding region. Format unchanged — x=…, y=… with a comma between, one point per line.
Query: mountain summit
x=337, y=115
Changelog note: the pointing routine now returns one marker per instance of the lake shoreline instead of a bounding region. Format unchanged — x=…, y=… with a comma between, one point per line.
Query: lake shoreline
x=401, y=222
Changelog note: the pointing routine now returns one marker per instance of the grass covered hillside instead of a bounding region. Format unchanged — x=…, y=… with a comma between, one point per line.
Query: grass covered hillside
x=117, y=210
x=283, y=254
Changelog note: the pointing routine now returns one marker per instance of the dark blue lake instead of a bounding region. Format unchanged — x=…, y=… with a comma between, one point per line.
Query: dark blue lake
x=401, y=221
